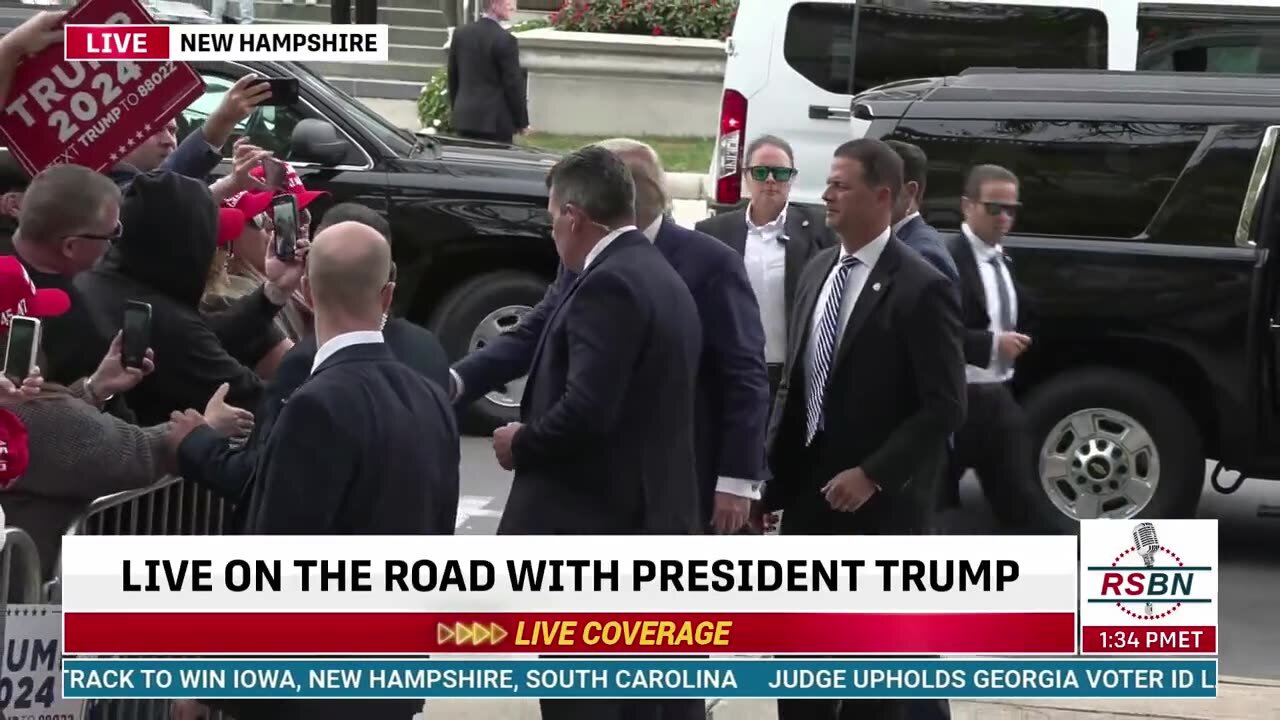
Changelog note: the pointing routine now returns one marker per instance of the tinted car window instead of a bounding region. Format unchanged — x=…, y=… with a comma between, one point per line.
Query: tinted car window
x=269, y=127
x=899, y=40
x=1088, y=179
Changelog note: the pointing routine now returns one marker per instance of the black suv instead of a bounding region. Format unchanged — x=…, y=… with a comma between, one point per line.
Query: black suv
x=1145, y=246
x=470, y=231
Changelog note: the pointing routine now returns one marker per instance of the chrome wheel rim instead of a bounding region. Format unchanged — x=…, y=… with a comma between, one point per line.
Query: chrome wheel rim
x=1099, y=463
x=502, y=320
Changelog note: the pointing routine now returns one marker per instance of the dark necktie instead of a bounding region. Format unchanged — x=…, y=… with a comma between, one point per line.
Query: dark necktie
x=824, y=345
x=1006, y=306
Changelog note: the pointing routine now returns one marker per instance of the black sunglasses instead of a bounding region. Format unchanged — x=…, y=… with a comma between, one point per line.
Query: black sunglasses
x=111, y=238
x=760, y=173
x=994, y=208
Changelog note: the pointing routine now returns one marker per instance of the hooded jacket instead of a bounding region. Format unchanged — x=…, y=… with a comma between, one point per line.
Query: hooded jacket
x=162, y=258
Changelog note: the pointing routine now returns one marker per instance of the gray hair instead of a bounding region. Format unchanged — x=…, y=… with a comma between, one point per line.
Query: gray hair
x=646, y=171
x=598, y=182
x=64, y=199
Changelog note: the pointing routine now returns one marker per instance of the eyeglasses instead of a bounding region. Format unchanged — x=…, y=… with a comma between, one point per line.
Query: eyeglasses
x=760, y=173
x=994, y=208
x=111, y=238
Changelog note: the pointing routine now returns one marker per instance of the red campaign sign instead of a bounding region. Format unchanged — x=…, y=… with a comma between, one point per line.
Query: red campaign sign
x=92, y=113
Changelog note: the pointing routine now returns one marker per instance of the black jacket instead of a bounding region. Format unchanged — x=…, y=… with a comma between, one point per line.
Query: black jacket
x=206, y=457
x=163, y=258
x=486, y=84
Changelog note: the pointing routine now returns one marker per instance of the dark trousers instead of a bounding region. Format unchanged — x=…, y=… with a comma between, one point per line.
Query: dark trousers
x=993, y=441
x=505, y=139
x=366, y=12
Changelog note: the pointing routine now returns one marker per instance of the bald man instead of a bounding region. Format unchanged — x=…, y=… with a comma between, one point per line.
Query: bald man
x=366, y=445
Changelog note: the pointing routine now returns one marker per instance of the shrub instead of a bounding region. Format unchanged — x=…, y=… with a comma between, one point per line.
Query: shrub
x=707, y=19
x=433, y=103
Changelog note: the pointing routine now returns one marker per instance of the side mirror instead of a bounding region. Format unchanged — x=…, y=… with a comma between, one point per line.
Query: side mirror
x=318, y=141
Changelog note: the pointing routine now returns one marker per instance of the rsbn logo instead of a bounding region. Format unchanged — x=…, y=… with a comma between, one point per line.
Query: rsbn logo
x=1147, y=580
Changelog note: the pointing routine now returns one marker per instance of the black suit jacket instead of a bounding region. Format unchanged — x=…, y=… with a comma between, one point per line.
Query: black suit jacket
x=895, y=392
x=365, y=446
x=206, y=457
x=732, y=398
x=806, y=235
x=973, y=303
x=487, y=87
x=607, y=445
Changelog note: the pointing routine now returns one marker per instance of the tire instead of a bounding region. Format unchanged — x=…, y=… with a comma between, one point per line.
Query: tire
x=1105, y=402
x=491, y=302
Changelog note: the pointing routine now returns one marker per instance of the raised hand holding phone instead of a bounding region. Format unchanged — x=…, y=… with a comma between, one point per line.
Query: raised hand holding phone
x=22, y=346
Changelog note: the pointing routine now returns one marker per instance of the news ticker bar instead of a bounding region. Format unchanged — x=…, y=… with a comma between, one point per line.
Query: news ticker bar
x=297, y=43
x=392, y=633
x=344, y=678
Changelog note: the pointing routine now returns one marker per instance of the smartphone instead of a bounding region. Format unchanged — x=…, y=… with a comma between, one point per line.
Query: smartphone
x=23, y=345
x=284, y=213
x=273, y=173
x=284, y=91
x=137, y=333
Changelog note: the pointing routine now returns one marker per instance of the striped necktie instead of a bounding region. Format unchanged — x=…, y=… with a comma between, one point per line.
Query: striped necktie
x=824, y=345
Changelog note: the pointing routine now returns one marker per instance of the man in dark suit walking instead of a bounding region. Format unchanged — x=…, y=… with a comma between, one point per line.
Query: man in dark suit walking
x=775, y=240
x=605, y=442
x=908, y=225
x=997, y=331
x=487, y=86
x=873, y=384
x=732, y=401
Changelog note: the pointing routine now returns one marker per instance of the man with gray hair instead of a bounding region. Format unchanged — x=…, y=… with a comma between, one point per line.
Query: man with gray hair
x=605, y=442
x=732, y=395
x=486, y=83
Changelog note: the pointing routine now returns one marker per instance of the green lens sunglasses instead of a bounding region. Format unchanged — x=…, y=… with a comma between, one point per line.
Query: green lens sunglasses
x=760, y=173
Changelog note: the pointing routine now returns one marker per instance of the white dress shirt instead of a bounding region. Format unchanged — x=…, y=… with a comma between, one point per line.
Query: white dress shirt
x=897, y=227
x=982, y=255
x=605, y=242
x=651, y=231
x=345, y=340
x=867, y=256
x=765, y=256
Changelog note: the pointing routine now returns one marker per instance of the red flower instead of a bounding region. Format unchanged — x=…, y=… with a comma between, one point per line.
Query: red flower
x=657, y=29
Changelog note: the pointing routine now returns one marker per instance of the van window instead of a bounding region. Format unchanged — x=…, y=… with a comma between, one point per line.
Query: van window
x=1216, y=39
x=1087, y=179
x=899, y=40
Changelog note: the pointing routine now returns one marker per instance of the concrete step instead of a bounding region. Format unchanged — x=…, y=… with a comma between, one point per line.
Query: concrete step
x=369, y=88
x=269, y=11
x=417, y=55
x=419, y=74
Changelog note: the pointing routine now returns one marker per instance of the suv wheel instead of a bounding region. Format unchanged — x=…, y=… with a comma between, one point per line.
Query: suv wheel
x=475, y=313
x=1109, y=444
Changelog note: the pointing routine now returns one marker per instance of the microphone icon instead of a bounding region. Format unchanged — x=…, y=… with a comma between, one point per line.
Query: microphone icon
x=1144, y=539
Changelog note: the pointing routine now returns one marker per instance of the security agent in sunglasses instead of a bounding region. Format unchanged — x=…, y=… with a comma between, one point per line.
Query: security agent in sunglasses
x=997, y=332
x=775, y=239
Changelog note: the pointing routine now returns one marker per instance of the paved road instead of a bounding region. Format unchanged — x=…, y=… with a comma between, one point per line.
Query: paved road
x=1249, y=582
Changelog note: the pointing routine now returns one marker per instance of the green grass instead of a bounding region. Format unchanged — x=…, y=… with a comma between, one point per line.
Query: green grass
x=678, y=154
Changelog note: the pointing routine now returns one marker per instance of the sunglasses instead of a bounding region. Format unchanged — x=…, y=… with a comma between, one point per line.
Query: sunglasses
x=760, y=173
x=113, y=236
x=994, y=208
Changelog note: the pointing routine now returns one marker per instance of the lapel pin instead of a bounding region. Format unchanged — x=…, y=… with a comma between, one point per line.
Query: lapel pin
x=804, y=223
x=876, y=287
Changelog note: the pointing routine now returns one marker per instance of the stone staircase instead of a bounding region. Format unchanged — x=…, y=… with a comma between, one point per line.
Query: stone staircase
x=418, y=36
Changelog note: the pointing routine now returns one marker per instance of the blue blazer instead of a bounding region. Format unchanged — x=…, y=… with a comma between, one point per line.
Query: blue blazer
x=733, y=383
x=924, y=239
x=194, y=158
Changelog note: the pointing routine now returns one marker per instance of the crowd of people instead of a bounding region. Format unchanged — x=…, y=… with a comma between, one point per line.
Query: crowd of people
x=836, y=369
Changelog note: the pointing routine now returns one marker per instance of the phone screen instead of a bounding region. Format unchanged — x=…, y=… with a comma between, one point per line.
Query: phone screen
x=21, y=351
x=137, y=334
x=284, y=91
x=273, y=173
x=285, y=215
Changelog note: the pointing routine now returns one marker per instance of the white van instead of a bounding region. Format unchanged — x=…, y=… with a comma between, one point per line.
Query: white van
x=791, y=69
